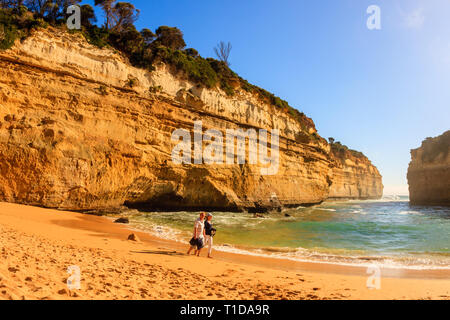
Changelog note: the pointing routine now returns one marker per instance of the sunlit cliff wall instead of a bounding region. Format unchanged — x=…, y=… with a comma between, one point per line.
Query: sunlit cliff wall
x=429, y=172
x=75, y=135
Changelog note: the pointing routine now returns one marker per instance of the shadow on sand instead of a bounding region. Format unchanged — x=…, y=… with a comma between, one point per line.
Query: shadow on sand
x=162, y=252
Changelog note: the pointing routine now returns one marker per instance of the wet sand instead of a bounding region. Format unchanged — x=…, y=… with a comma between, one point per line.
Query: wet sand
x=38, y=245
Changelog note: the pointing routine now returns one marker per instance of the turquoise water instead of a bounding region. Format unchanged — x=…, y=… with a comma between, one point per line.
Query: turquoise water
x=386, y=231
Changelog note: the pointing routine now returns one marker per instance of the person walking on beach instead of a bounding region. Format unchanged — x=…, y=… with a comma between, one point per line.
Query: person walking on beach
x=209, y=233
x=197, y=240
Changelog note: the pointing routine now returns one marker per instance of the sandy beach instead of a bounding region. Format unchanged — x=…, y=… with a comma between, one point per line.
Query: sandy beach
x=38, y=245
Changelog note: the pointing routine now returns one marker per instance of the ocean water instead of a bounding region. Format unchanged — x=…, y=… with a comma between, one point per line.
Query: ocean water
x=387, y=232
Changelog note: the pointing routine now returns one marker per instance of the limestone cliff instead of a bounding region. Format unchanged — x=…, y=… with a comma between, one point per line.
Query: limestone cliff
x=354, y=176
x=81, y=129
x=429, y=172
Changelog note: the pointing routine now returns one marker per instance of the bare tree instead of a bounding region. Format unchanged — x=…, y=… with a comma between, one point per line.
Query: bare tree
x=223, y=52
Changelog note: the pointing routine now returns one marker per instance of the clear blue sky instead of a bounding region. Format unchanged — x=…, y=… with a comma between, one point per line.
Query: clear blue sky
x=381, y=92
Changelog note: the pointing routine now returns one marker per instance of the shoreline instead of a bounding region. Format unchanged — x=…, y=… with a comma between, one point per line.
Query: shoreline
x=106, y=253
x=295, y=264
x=390, y=262
x=275, y=255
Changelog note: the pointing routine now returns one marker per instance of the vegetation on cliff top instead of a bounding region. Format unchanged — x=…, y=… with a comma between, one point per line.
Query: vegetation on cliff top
x=143, y=48
x=16, y=24
x=342, y=151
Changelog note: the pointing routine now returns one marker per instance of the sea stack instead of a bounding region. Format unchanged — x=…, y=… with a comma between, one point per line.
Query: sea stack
x=429, y=172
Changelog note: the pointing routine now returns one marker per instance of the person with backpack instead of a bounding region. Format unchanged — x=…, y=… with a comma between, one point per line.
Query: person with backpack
x=209, y=233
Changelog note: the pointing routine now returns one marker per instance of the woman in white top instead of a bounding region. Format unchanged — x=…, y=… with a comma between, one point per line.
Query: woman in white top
x=197, y=241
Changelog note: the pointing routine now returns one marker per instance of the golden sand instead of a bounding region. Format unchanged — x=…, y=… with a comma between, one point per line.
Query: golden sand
x=38, y=245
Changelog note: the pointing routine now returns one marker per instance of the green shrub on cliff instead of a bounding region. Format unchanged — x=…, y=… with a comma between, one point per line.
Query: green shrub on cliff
x=16, y=23
x=8, y=34
x=197, y=69
x=8, y=29
x=342, y=151
x=96, y=36
x=170, y=37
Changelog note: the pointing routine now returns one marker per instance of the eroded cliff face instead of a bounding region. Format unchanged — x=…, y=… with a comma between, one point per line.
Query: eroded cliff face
x=429, y=172
x=354, y=177
x=75, y=135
